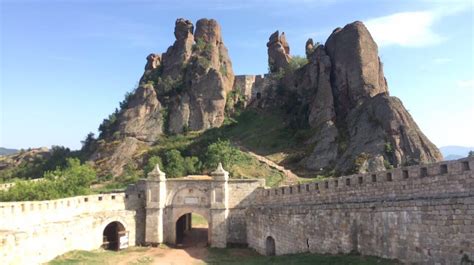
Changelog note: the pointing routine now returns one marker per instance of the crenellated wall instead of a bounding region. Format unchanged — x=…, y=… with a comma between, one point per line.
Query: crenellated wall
x=422, y=214
x=7, y=186
x=34, y=232
x=252, y=87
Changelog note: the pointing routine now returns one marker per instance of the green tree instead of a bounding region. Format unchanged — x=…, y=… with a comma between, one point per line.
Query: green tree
x=75, y=179
x=130, y=174
x=296, y=62
x=174, y=164
x=109, y=125
x=89, y=144
x=192, y=165
x=223, y=151
x=152, y=162
x=471, y=154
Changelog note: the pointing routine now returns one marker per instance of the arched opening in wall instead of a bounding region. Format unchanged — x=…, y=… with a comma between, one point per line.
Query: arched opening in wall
x=114, y=236
x=270, y=246
x=259, y=95
x=192, y=230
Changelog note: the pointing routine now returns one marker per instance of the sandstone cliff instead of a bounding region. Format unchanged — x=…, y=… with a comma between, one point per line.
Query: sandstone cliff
x=342, y=95
x=183, y=89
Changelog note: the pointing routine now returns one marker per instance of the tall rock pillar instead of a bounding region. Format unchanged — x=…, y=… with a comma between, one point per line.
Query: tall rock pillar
x=219, y=207
x=155, y=204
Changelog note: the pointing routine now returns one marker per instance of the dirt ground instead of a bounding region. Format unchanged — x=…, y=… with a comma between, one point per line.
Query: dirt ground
x=192, y=251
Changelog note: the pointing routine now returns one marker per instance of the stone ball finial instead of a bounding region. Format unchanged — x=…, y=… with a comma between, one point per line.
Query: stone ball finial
x=156, y=173
x=220, y=173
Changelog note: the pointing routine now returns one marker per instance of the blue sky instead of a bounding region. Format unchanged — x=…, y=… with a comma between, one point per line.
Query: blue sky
x=65, y=65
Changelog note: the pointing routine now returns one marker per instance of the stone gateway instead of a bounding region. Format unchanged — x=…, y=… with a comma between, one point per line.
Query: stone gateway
x=418, y=214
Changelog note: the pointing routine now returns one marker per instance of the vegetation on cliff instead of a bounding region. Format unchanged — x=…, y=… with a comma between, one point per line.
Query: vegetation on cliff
x=71, y=180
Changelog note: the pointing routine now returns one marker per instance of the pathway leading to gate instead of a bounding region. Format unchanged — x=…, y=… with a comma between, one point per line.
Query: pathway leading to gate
x=290, y=177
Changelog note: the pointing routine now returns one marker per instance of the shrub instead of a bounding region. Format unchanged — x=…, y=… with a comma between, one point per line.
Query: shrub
x=152, y=162
x=296, y=62
x=73, y=180
x=174, y=163
x=222, y=151
x=109, y=125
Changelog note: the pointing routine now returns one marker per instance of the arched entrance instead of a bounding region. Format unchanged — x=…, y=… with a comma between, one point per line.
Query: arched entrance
x=192, y=230
x=270, y=246
x=112, y=235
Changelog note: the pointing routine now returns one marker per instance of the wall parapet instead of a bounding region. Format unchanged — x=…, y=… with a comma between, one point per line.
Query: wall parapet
x=16, y=215
x=420, y=180
x=7, y=186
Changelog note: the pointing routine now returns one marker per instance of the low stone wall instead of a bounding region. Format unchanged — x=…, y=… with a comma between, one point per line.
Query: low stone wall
x=422, y=214
x=7, y=186
x=38, y=231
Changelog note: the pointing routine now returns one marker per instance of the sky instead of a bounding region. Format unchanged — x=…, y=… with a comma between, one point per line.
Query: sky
x=66, y=65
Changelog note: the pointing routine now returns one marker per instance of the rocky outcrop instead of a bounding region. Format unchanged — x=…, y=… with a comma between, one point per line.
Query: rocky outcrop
x=340, y=95
x=278, y=52
x=321, y=115
x=178, y=55
x=153, y=61
x=142, y=119
x=356, y=68
x=381, y=133
x=309, y=48
x=183, y=89
x=343, y=96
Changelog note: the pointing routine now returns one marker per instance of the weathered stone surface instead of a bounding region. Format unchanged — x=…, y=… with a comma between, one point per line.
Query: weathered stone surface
x=344, y=95
x=208, y=79
x=309, y=48
x=321, y=112
x=278, y=52
x=418, y=214
x=142, y=119
x=382, y=129
x=153, y=61
x=341, y=94
x=356, y=68
x=397, y=214
x=177, y=55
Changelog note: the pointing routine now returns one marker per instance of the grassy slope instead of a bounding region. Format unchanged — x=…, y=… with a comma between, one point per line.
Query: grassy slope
x=265, y=133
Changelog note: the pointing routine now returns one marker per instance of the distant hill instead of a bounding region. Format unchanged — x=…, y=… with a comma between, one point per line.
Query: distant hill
x=6, y=151
x=452, y=152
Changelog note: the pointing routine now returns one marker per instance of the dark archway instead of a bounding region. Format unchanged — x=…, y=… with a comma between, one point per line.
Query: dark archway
x=259, y=95
x=270, y=249
x=192, y=231
x=111, y=236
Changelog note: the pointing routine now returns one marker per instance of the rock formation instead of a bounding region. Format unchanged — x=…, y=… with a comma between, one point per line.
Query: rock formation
x=341, y=95
x=278, y=52
x=356, y=66
x=184, y=88
x=344, y=95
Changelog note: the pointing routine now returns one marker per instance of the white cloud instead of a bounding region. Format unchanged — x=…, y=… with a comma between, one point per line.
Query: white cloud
x=413, y=29
x=409, y=29
x=466, y=84
x=442, y=60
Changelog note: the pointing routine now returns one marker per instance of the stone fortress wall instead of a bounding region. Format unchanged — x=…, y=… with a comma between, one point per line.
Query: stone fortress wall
x=252, y=87
x=422, y=214
x=38, y=231
x=6, y=186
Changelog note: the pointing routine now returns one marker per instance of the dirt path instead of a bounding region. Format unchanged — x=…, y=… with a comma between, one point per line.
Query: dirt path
x=192, y=251
x=290, y=177
x=167, y=256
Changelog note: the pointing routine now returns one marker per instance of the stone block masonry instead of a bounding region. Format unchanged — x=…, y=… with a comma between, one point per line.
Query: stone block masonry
x=36, y=232
x=419, y=214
